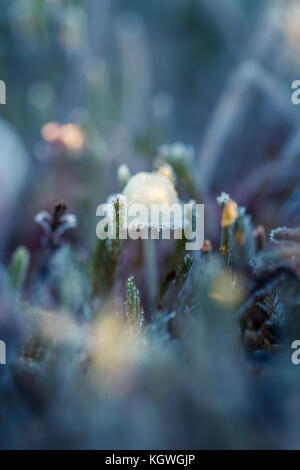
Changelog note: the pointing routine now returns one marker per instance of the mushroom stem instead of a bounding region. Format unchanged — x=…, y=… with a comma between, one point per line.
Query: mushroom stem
x=151, y=271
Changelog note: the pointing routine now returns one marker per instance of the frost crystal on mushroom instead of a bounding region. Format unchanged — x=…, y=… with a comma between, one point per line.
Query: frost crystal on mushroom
x=150, y=189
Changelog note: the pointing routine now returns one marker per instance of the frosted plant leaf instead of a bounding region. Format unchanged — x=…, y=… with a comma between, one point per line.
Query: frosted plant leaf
x=120, y=205
x=44, y=219
x=184, y=268
x=133, y=309
x=223, y=199
x=56, y=224
x=285, y=235
x=176, y=151
x=112, y=200
x=68, y=221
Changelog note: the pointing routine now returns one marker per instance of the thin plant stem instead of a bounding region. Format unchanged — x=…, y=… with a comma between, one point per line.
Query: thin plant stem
x=151, y=272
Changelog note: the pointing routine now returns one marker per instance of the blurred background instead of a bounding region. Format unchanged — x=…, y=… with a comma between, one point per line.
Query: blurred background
x=94, y=84
x=129, y=76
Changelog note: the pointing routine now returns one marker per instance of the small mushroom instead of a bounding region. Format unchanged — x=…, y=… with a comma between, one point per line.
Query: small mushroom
x=151, y=189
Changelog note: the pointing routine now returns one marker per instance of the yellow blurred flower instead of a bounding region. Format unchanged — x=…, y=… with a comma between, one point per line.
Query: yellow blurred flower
x=229, y=214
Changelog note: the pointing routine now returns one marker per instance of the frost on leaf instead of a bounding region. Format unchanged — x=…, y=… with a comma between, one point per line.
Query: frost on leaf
x=133, y=309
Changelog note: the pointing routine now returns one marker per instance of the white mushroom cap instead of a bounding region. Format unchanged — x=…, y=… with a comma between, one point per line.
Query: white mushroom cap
x=149, y=189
